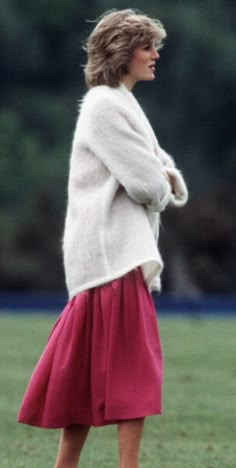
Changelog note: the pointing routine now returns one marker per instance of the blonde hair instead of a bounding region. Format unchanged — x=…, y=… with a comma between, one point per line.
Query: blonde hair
x=111, y=44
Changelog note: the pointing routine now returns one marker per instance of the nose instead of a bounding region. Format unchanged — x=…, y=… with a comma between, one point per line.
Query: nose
x=155, y=53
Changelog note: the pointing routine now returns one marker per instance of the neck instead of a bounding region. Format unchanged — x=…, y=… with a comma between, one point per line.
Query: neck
x=128, y=82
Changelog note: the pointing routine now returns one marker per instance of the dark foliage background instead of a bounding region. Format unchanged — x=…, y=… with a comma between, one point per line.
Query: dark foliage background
x=191, y=106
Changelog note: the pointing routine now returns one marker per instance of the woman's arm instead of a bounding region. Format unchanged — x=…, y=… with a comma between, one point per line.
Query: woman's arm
x=165, y=158
x=179, y=195
x=114, y=139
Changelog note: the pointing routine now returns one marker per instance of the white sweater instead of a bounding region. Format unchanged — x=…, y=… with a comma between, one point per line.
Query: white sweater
x=116, y=191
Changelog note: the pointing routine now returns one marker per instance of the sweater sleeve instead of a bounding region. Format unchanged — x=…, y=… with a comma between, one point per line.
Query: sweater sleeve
x=115, y=139
x=179, y=194
x=165, y=158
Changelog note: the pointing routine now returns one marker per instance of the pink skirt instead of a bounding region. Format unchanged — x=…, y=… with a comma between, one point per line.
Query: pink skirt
x=102, y=362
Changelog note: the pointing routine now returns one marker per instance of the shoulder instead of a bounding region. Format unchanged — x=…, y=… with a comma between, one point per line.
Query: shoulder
x=108, y=108
x=103, y=99
x=100, y=95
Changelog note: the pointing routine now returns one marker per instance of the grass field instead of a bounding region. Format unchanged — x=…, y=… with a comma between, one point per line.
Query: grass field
x=197, y=429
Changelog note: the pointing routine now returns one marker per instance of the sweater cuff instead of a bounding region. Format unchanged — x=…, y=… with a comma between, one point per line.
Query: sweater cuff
x=179, y=195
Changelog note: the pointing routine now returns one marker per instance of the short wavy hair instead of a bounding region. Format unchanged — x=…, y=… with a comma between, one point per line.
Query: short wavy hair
x=111, y=44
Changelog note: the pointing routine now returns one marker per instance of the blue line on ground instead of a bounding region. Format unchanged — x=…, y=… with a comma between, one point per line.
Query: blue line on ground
x=15, y=302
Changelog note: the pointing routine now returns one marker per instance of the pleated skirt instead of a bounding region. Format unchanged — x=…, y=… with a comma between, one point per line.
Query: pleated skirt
x=102, y=362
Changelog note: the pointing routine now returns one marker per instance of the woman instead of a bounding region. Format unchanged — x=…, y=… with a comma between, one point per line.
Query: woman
x=103, y=363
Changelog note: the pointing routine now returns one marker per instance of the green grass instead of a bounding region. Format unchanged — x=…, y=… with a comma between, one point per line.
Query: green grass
x=197, y=429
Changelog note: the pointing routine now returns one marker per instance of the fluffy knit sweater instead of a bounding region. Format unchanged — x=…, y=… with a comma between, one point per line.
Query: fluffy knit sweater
x=116, y=191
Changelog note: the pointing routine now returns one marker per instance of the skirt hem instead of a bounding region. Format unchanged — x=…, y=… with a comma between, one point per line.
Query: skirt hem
x=87, y=422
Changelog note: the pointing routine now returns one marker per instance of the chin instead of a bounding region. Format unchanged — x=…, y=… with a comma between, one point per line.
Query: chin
x=147, y=78
x=150, y=78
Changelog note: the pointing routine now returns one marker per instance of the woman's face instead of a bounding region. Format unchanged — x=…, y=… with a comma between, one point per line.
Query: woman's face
x=142, y=65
